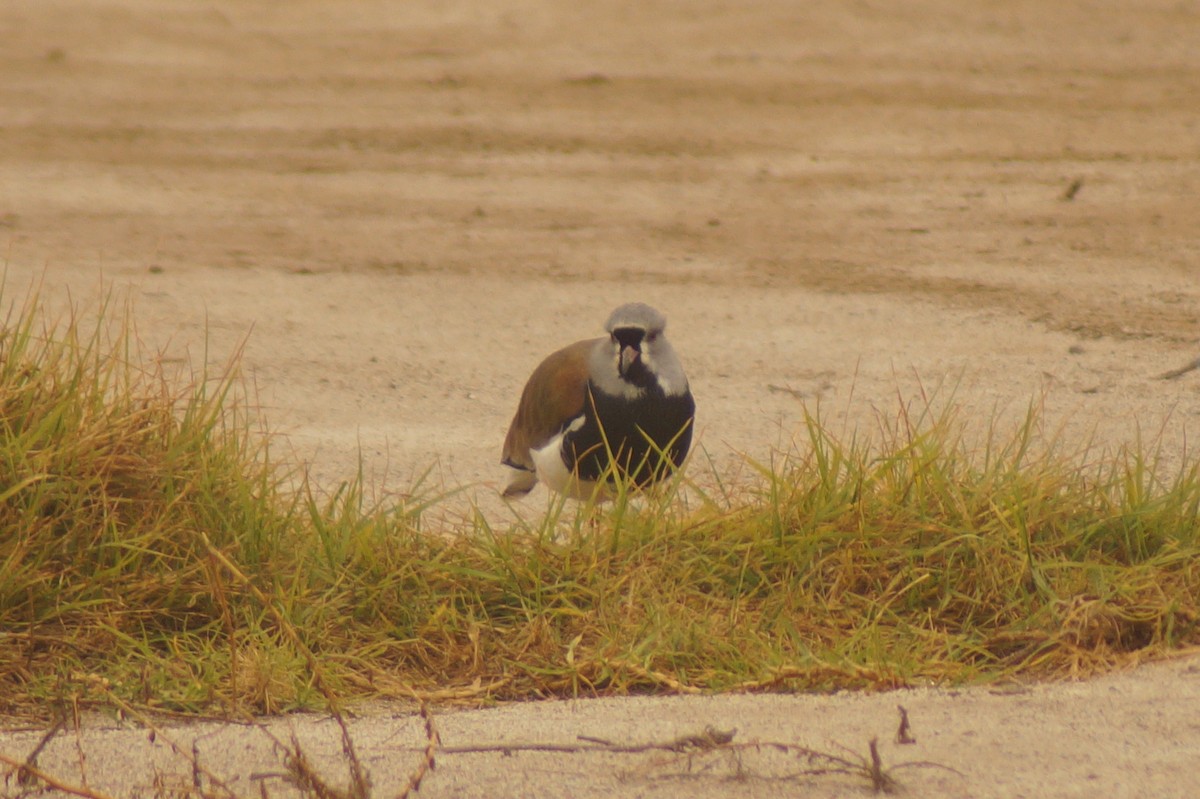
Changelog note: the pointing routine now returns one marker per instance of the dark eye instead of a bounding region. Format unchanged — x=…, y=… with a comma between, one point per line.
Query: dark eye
x=651, y=336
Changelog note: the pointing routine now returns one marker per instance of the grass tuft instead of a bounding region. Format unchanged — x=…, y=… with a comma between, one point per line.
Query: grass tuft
x=152, y=553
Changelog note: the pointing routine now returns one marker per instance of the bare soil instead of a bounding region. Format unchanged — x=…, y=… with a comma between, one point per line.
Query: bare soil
x=401, y=207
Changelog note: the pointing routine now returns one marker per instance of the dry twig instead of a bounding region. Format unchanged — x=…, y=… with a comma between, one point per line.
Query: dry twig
x=904, y=733
x=710, y=738
x=432, y=741
x=1181, y=371
x=52, y=781
x=192, y=756
x=25, y=775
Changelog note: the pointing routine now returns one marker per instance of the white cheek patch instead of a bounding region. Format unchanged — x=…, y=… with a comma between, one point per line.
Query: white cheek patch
x=666, y=378
x=663, y=382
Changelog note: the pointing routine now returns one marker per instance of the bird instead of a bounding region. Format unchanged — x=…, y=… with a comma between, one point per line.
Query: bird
x=615, y=405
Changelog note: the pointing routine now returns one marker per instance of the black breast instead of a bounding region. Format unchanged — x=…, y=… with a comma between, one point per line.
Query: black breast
x=634, y=432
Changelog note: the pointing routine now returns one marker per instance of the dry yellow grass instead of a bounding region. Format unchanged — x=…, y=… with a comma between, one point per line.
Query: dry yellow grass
x=149, y=545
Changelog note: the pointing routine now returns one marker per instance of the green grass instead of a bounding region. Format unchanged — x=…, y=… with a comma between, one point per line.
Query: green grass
x=153, y=554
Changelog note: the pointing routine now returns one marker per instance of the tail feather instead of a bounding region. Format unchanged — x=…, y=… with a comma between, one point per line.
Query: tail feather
x=520, y=482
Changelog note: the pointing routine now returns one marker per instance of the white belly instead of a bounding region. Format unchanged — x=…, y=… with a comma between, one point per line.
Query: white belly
x=552, y=471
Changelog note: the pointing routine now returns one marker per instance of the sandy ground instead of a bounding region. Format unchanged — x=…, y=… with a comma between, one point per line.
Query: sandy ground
x=401, y=207
x=1114, y=737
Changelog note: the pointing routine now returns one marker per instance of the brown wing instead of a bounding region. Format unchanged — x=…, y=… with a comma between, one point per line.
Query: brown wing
x=552, y=398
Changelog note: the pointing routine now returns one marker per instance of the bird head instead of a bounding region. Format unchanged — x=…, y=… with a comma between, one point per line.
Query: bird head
x=636, y=354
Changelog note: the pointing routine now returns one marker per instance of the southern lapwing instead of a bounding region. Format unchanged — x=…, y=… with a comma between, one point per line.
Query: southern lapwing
x=619, y=404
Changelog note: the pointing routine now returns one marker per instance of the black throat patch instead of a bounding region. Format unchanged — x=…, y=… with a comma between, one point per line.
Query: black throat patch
x=636, y=372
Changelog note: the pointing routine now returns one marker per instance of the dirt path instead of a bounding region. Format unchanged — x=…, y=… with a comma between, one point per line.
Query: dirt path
x=406, y=205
